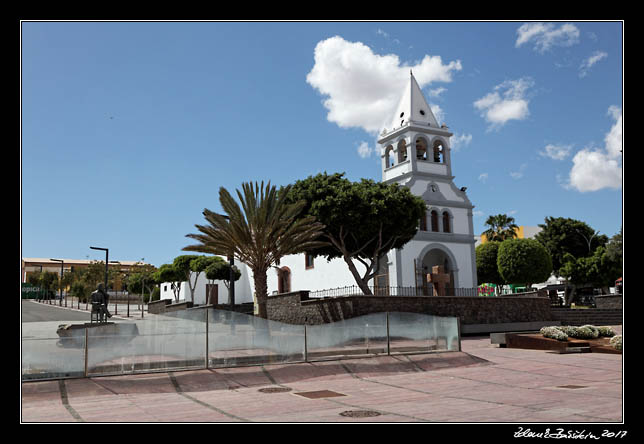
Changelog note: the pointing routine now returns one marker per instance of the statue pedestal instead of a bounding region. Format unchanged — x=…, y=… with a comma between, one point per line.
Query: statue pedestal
x=98, y=333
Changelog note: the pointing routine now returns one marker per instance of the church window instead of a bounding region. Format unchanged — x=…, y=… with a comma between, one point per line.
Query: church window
x=389, y=157
x=439, y=152
x=434, y=215
x=446, y=222
x=308, y=261
x=423, y=222
x=422, y=113
x=421, y=149
x=402, y=151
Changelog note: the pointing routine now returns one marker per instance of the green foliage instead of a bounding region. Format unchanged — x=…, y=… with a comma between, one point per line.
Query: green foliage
x=563, y=236
x=502, y=227
x=219, y=270
x=261, y=231
x=598, y=270
x=616, y=342
x=362, y=220
x=487, y=270
x=523, y=261
x=356, y=214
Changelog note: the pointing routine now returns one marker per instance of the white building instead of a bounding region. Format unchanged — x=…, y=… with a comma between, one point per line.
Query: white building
x=415, y=153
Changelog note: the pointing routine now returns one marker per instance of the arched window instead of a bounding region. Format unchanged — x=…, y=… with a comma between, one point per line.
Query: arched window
x=446, y=228
x=402, y=151
x=439, y=152
x=421, y=149
x=423, y=222
x=434, y=215
x=389, y=156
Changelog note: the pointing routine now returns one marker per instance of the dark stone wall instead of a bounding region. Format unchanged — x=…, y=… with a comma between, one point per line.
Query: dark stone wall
x=609, y=301
x=297, y=308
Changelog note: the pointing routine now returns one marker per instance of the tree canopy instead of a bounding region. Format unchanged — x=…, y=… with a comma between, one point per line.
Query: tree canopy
x=362, y=220
x=523, y=261
x=487, y=270
x=265, y=228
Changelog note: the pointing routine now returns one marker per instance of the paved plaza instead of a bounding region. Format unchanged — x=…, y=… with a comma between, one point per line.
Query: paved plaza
x=480, y=384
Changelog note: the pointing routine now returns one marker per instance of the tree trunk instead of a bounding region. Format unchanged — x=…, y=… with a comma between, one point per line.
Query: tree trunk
x=354, y=271
x=261, y=292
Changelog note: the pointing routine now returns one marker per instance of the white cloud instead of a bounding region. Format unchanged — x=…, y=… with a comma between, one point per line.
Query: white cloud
x=556, y=152
x=507, y=102
x=361, y=89
x=437, y=91
x=595, y=168
x=460, y=140
x=483, y=177
x=364, y=150
x=519, y=174
x=547, y=35
x=590, y=61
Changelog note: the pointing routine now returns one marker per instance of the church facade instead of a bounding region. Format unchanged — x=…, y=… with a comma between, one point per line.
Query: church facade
x=415, y=153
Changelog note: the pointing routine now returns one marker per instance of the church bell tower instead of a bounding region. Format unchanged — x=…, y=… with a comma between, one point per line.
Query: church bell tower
x=415, y=152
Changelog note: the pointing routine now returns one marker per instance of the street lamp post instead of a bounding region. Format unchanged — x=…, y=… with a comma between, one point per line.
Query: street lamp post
x=61, y=281
x=116, y=307
x=231, y=275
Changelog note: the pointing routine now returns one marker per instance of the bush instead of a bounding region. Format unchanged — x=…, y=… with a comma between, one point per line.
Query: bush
x=616, y=342
x=606, y=331
x=554, y=333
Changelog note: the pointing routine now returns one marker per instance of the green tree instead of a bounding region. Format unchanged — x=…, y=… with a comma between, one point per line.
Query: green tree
x=487, y=269
x=502, y=227
x=523, y=261
x=598, y=270
x=259, y=233
x=190, y=265
x=363, y=220
x=563, y=236
x=170, y=273
x=219, y=270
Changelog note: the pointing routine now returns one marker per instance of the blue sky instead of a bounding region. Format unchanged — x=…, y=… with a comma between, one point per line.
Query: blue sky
x=129, y=129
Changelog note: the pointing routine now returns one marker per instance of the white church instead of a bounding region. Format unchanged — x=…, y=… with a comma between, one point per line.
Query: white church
x=415, y=152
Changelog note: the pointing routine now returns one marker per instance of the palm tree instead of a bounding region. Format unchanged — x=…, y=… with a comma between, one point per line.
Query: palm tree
x=259, y=234
x=502, y=227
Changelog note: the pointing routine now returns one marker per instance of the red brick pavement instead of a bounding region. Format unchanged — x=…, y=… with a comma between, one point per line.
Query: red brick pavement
x=483, y=383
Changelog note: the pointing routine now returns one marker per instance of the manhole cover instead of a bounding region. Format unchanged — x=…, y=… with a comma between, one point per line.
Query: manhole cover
x=320, y=394
x=359, y=413
x=572, y=386
x=275, y=390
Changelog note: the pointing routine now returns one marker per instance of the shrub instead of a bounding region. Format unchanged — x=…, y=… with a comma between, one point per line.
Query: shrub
x=594, y=331
x=606, y=331
x=554, y=333
x=616, y=342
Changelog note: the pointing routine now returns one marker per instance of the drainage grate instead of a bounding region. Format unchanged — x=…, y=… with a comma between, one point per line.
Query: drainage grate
x=572, y=386
x=360, y=413
x=274, y=390
x=320, y=394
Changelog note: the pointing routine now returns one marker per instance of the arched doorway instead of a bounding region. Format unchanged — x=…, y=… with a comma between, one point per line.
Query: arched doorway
x=284, y=280
x=432, y=257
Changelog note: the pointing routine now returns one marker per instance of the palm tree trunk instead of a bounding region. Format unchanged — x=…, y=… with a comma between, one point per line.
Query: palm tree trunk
x=261, y=292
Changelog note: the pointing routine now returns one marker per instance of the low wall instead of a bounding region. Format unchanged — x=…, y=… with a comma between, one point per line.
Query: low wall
x=298, y=308
x=609, y=301
x=166, y=306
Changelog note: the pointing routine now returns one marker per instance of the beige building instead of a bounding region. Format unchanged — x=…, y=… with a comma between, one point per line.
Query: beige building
x=36, y=264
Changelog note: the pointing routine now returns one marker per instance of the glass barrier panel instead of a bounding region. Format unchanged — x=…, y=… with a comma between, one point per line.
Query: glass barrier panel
x=52, y=350
x=357, y=336
x=174, y=340
x=236, y=339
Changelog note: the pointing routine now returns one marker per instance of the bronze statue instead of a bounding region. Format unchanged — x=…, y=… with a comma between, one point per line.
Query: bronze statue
x=99, y=300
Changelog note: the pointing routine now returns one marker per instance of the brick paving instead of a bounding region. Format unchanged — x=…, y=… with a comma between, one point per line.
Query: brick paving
x=483, y=383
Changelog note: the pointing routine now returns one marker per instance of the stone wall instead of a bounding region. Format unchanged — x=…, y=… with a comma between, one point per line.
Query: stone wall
x=297, y=308
x=609, y=301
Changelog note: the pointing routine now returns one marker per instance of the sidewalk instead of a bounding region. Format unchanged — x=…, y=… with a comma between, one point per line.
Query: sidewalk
x=483, y=383
x=119, y=310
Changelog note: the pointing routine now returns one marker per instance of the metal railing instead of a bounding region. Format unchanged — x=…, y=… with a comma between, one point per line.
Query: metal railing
x=354, y=290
